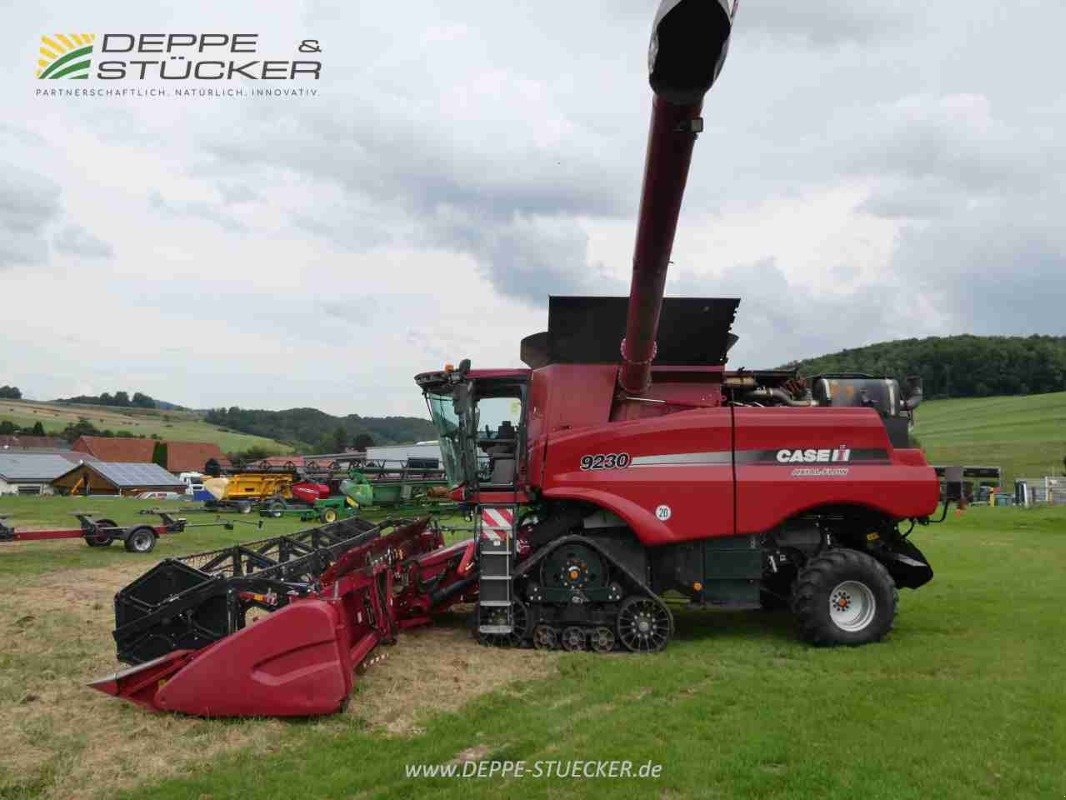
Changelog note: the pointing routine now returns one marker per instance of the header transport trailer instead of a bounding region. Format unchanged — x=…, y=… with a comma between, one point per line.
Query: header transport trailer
x=599, y=484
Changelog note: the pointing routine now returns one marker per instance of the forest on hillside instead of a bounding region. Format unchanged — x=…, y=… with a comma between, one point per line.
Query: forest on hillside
x=958, y=366
x=312, y=430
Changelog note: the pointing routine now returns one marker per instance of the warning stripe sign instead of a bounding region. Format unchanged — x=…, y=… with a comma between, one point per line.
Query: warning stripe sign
x=496, y=523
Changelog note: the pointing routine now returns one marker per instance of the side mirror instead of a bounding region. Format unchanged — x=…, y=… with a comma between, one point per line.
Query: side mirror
x=912, y=393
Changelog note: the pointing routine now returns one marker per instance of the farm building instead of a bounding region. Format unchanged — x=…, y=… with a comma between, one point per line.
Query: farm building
x=20, y=442
x=30, y=473
x=119, y=449
x=172, y=456
x=108, y=478
x=189, y=456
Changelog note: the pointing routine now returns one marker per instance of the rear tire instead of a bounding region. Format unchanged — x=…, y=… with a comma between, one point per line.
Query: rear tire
x=140, y=540
x=844, y=597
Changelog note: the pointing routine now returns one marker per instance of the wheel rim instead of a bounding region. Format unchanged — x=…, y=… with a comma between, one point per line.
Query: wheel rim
x=602, y=640
x=142, y=542
x=852, y=606
x=573, y=639
x=544, y=638
x=643, y=625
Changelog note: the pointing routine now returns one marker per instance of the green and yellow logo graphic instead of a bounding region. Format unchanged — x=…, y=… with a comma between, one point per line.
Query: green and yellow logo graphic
x=65, y=55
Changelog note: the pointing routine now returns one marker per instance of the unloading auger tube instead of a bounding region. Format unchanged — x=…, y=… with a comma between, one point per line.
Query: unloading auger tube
x=689, y=42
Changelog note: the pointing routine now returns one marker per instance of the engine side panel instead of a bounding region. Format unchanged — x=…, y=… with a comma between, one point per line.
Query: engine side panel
x=670, y=478
x=790, y=460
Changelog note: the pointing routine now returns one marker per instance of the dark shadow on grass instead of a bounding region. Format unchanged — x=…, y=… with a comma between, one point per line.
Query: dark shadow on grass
x=703, y=624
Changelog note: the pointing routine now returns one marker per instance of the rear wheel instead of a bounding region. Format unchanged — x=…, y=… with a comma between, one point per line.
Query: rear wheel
x=104, y=537
x=844, y=597
x=141, y=540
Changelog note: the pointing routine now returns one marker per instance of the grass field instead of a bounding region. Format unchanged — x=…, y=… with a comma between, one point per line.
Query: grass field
x=963, y=700
x=1025, y=436
x=185, y=426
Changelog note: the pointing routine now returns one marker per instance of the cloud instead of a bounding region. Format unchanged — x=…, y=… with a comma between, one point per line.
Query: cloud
x=29, y=203
x=822, y=23
x=75, y=240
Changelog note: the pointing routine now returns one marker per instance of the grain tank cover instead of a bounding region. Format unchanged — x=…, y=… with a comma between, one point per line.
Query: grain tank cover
x=586, y=330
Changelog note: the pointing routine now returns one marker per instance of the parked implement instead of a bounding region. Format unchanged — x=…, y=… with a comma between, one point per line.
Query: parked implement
x=140, y=538
x=330, y=596
x=599, y=485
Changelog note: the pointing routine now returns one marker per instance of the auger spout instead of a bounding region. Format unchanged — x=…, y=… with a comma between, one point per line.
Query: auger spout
x=689, y=42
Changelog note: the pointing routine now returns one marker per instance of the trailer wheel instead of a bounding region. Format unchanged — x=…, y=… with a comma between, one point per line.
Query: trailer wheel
x=844, y=597
x=244, y=507
x=141, y=540
x=101, y=539
x=276, y=508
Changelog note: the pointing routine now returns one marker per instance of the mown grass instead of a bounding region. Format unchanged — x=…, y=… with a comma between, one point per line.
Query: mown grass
x=963, y=700
x=1025, y=436
x=182, y=426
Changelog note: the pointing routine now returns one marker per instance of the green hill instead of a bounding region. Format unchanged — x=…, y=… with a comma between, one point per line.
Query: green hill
x=317, y=431
x=165, y=424
x=1025, y=436
x=958, y=366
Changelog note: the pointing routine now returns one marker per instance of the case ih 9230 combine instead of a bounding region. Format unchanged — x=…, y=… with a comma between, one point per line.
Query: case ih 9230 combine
x=598, y=489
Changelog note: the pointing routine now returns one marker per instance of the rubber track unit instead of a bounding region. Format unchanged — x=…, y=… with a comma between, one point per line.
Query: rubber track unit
x=810, y=597
x=636, y=586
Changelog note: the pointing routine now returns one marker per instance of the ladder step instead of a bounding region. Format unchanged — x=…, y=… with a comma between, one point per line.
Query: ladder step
x=495, y=603
x=495, y=628
x=495, y=577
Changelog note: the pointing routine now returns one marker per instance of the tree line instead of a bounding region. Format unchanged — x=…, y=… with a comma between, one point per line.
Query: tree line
x=958, y=366
x=311, y=430
x=117, y=400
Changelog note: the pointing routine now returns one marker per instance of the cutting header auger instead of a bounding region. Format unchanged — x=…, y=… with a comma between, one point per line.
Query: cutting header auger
x=623, y=470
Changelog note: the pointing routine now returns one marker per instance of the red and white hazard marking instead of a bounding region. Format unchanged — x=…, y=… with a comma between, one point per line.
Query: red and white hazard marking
x=496, y=523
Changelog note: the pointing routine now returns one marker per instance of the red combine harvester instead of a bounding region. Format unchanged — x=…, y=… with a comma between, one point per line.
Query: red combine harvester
x=599, y=485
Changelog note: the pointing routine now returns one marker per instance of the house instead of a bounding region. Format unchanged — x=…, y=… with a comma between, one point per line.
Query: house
x=172, y=456
x=190, y=456
x=29, y=472
x=111, y=478
x=119, y=449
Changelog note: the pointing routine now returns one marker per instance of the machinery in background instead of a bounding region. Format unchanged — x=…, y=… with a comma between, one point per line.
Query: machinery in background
x=101, y=532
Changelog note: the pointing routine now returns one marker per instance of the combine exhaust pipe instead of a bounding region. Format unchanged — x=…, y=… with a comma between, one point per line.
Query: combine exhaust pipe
x=689, y=42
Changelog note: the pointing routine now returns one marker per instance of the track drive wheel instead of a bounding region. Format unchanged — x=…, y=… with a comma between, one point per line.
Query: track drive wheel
x=103, y=538
x=644, y=624
x=844, y=597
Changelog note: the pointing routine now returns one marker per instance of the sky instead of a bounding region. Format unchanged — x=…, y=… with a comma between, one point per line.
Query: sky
x=868, y=171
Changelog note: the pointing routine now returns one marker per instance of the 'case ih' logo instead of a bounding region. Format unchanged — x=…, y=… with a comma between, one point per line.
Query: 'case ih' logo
x=810, y=456
x=65, y=55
